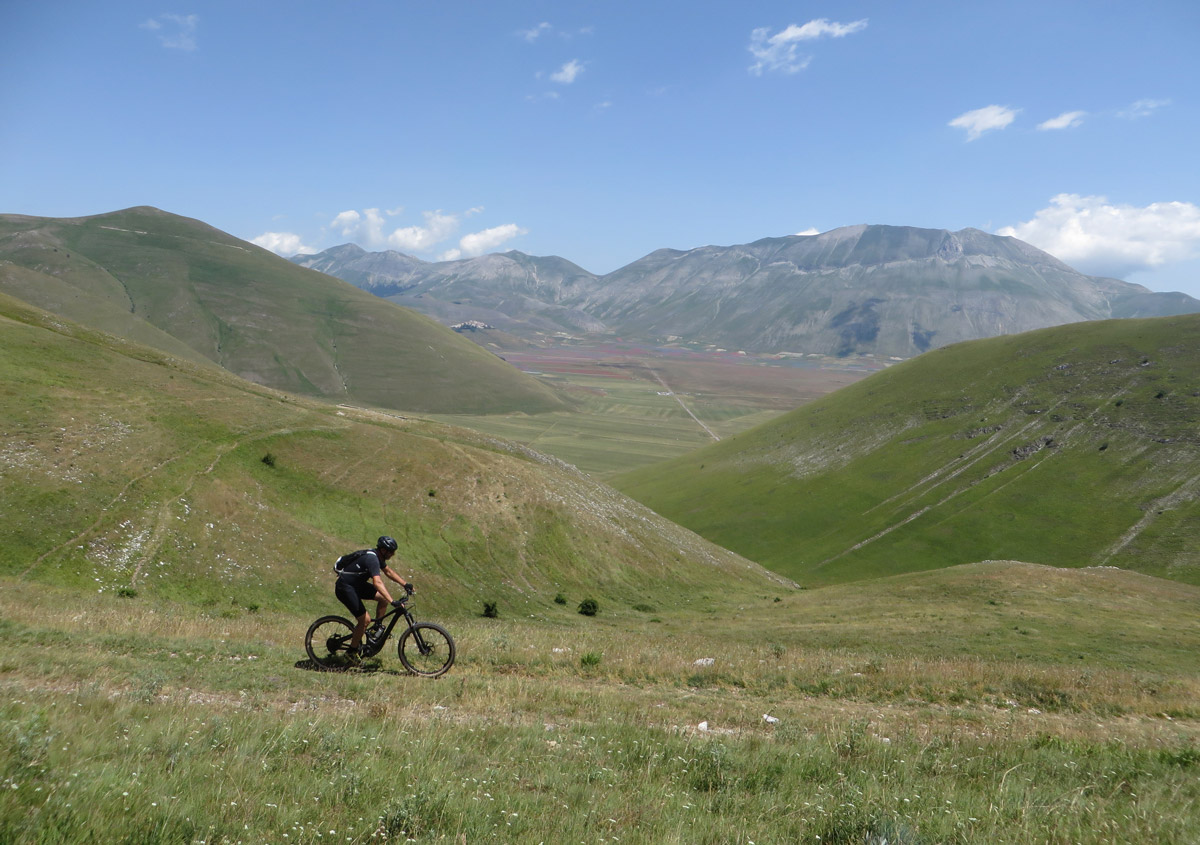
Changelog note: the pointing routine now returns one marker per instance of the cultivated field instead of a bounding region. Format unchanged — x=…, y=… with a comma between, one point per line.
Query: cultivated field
x=639, y=405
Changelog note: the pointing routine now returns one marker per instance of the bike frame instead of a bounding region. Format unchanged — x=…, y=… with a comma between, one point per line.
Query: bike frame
x=391, y=617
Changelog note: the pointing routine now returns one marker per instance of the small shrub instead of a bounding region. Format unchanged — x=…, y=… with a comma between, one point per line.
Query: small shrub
x=589, y=607
x=590, y=660
x=560, y=599
x=1185, y=758
x=432, y=493
x=269, y=459
x=416, y=815
x=490, y=611
x=644, y=608
x=127, y=592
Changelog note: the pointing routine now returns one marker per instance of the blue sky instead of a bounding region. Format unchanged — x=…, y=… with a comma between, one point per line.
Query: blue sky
x=600, y=131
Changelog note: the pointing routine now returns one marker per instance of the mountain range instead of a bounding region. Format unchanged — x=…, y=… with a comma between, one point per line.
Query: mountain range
x=892, y=291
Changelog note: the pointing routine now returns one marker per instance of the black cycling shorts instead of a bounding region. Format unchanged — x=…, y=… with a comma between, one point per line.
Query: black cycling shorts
x=352, y=592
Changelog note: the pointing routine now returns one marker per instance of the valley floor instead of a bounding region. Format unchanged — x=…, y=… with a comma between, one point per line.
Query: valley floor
x=637, y=405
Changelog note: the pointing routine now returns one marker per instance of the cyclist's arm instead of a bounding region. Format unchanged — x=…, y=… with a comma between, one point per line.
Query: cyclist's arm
x=380, y=589
x=394, y=575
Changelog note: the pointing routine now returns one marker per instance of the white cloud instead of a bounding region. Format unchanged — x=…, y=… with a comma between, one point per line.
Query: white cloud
x=809, y=231
x=1105, y=239
x=984, y=120
x=534, y=34
x=438, y=227
x=176, y=32
x=779, y=52
x=1066, y=120
x=282, y=243
x=366, y=227
x=567, y=74
x=1143, y=108
x=478, y=243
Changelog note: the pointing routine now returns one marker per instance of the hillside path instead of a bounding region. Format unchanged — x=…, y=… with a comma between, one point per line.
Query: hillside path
x=675, y=395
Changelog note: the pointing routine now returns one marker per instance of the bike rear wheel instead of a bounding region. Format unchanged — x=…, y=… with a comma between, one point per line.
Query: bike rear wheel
x=328, y=642
x=427, y=649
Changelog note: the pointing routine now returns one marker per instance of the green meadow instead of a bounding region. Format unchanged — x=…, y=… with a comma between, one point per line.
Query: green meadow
x=618, y=425
x=999, y=703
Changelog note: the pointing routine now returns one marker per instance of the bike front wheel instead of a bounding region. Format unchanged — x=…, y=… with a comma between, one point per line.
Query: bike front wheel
x=427, y=649
x=328, y=642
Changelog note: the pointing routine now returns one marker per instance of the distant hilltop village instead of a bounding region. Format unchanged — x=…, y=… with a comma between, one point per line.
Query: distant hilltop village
x=471, y=326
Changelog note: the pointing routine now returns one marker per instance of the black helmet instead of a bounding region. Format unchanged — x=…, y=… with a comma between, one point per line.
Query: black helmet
x=387, y=544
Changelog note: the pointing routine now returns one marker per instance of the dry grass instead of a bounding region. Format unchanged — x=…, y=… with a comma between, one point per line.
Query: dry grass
x=216, y=729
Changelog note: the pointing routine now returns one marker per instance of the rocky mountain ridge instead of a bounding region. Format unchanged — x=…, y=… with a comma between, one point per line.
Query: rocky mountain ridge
x=859, y=290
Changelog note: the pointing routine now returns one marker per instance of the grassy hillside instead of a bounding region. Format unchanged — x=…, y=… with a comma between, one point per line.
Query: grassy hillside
x=168, y=535
x=124, y=469
x=1072, y=446
x=191, y=290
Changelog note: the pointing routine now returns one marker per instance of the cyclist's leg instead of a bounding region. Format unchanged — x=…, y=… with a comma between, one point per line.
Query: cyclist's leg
x=359, y=630
x=351, y=595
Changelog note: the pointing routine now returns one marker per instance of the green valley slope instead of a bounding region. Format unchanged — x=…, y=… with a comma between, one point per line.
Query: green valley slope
x=124, y=469
x=1073, y=446
x=198, y=293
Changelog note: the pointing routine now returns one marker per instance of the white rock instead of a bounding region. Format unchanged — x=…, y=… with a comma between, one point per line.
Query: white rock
x=769, y=719
x=703, y=726
x=705, y=661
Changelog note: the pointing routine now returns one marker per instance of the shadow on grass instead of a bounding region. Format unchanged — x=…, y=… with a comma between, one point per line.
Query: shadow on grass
x=369, y=668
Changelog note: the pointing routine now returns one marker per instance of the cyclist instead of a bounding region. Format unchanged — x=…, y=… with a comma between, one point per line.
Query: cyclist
x=362, y=579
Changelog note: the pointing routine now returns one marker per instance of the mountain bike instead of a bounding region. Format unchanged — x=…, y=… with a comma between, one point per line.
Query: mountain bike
x=425, y=649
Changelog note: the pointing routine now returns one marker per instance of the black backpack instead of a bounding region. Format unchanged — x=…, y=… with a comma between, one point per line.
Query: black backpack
x=353, y=563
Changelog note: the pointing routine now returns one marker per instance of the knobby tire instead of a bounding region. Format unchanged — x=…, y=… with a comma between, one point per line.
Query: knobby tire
x=328, y=642
x=427, y=649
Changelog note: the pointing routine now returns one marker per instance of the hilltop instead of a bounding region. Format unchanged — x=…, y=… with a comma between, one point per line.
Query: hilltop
x=1073, y=446
x=888, y=291
x=197, y=293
